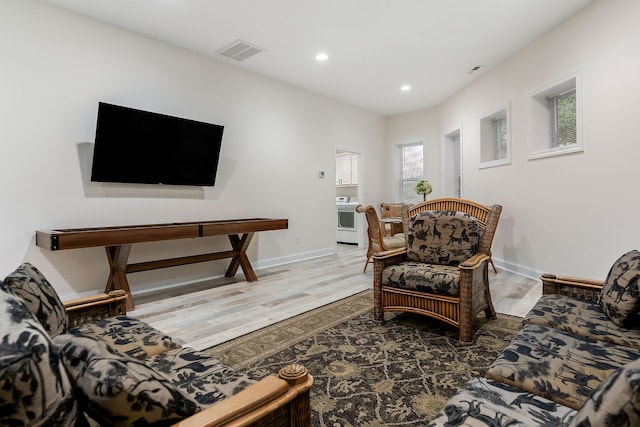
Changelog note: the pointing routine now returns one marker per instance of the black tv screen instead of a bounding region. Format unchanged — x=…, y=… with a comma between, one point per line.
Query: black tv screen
x=135, y=146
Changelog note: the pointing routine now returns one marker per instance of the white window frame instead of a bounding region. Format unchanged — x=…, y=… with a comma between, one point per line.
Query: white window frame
x=401, y=148
x=490, y=141
x=542, y=133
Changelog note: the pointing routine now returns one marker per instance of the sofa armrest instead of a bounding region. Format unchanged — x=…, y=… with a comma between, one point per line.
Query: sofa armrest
x=576, y=287
x=288, y=394
x=96, y=307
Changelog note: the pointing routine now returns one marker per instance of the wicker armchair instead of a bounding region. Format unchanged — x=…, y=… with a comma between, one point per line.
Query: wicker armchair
x=444, y=279
x=391, y=210
x=377, y=241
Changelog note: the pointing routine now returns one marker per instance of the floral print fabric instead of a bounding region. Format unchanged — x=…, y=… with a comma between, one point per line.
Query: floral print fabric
x=559, y=366
x=620, y=294
x=421, y=277
x=127, y=335
x=481, y=402
x=579, y=317
x=615, y=402
x=34, y=387
x=201, y=377
x=28, y=283
x=442, y=237
x=121, y=391
x=120, y=370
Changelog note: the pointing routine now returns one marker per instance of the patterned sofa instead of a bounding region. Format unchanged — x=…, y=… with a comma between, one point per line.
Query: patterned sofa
x=575, y=362
x=86, y=362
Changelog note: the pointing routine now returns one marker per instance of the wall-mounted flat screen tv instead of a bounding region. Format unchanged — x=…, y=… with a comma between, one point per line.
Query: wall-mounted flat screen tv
x=135, y=146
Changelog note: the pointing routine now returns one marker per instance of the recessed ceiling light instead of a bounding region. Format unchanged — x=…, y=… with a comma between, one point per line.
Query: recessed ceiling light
x=322, y=57
x=405, y=88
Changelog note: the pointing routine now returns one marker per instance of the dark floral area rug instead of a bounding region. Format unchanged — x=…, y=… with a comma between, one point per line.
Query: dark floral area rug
x=366, y=374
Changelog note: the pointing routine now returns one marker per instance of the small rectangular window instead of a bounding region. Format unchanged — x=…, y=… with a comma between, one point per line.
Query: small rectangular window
x=556, y=118
x=494, y=138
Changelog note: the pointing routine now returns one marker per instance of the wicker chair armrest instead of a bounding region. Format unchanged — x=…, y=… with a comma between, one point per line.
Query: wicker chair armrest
x=474, y=262
x=259, y=400
x=391, y=253
x=393, y=256
x=96, y=307
x=576, y=287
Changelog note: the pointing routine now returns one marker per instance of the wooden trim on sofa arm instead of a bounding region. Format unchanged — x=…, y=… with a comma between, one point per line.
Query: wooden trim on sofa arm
x=258, y=401
x=96, y=307
x=577, y=287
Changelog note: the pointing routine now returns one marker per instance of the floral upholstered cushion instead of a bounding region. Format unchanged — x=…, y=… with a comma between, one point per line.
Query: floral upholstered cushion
x=202, y=377
x=579, y=317
x=443, y=237
x=616, y=402
x=620, y=294
x=421, y=277
x=28, y=283
x=117, y=390
x=127, y=335
x=556, y=365
x=34, y=387
x=482, y=403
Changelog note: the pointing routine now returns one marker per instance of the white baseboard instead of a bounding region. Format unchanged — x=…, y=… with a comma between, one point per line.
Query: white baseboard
x=273, y=262
x=517, y=269
x=173, y=282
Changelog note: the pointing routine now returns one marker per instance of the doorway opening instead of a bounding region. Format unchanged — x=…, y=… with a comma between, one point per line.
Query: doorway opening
x=347, y=175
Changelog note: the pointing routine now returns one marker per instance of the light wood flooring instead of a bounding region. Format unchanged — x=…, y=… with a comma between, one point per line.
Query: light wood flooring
x=209, y=313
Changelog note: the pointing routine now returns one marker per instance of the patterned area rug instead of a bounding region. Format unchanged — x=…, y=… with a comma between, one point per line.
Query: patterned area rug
x=366, y=374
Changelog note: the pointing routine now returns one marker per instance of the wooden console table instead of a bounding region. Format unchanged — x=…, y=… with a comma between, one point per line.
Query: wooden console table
x=117, y=242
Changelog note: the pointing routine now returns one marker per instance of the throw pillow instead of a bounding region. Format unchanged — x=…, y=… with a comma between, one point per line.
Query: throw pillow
x=34, y=387
x=443, y=237
x=118, y=390
x=28, y=283
x=620, y=294
x=615, y=402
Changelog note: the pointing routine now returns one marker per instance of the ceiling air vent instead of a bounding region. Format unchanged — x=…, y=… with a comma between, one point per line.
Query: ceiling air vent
x=240, y=50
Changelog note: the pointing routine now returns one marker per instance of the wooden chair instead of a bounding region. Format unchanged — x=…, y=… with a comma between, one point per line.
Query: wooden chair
x=378, y=242
x=429, y=297
x=391, y=210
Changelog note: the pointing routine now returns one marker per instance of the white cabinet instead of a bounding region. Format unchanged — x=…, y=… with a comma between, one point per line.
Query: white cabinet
x=346, y=169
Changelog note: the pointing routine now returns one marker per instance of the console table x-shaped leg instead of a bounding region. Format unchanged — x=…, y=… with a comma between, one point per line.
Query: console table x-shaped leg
x=118, y=256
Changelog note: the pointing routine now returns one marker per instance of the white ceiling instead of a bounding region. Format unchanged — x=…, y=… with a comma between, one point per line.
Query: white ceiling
x=374, y=46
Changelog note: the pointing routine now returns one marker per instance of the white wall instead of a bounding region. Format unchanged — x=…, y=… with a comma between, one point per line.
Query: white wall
x=55, y=68
x=575, y=214
x=418, y=126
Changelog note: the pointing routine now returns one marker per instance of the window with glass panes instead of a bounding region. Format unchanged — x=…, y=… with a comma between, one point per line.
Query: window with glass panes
x=412, y=170
x=563, y=109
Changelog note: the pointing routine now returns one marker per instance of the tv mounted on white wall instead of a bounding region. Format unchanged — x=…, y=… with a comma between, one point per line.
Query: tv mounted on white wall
x=136, y=146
